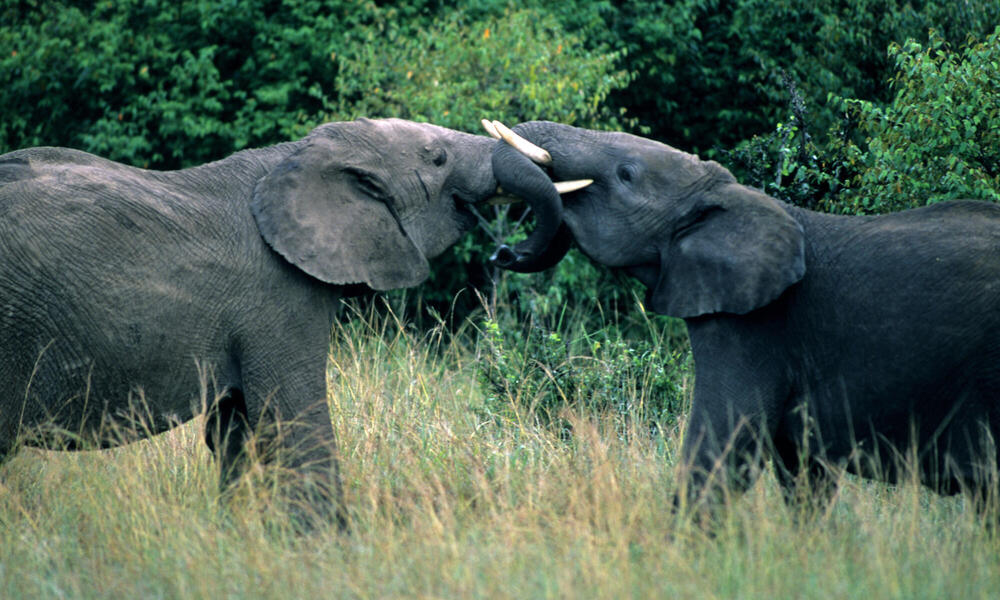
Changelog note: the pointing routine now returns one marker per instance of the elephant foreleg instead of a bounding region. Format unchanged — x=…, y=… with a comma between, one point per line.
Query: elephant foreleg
x=303, y=446
x=719, y=463
x=739, y=397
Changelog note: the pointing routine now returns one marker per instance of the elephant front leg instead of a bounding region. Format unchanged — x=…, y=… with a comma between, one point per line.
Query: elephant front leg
x=721, y=457
x=741, y=387
x=301, y=444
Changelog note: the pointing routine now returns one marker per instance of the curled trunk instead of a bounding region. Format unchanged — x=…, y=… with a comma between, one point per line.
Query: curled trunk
x=550, y=240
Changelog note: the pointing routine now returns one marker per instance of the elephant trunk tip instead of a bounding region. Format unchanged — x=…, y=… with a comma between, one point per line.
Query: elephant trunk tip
x=505, y=257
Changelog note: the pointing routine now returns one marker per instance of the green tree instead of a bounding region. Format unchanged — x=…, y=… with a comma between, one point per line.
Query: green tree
x=162, y=83
x=514, y=67
x=708, y=73
x=939, y=137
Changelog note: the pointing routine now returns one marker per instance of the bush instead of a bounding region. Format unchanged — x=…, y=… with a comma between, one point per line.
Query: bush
x=514, y=67
x=709, y=72
x=939, y=137
x=786, y=162
x=532, y=373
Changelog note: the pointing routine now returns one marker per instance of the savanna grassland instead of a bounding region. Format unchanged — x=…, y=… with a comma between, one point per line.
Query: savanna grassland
x=447, y=501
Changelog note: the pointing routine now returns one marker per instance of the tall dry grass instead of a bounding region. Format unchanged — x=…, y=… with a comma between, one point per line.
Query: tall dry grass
x=446, y=505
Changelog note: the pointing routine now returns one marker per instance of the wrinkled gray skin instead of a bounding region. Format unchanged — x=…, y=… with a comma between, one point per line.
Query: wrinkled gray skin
x=120, y=285
x=818, y=340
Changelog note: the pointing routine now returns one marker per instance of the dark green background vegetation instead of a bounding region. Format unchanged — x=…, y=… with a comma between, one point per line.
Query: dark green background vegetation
x=854, y=106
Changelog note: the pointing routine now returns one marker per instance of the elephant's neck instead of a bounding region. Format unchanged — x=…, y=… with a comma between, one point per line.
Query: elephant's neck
x=807, y=217
x=234, y=176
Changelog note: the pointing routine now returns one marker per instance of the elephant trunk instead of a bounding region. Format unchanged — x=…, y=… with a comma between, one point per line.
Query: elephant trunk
x=549, y=242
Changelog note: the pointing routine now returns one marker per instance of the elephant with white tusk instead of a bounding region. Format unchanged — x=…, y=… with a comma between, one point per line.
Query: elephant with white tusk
x=823, y=342
x=119, y=284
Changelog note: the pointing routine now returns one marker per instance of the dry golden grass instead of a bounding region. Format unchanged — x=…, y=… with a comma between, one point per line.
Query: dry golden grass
x=444, y=505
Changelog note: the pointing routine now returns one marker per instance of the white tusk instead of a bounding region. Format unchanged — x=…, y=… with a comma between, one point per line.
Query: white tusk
x=535, y=153
x=490, y=129
x=565, y=187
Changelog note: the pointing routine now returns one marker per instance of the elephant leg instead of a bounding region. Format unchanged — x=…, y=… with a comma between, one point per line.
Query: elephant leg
x=718, y=463
x=741, y=392
x=302, y=445
x=226, y=434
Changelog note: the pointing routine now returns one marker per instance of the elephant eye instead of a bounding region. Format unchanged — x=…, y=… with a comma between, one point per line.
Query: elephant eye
x=627, y=173
x=368, y=183
x=435, y=155
x=440, y=158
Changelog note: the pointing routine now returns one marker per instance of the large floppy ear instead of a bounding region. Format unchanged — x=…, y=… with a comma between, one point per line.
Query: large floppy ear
x=334, y=221
x=733, y=254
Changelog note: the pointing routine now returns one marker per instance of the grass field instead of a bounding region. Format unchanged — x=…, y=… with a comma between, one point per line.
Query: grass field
x=445, y=504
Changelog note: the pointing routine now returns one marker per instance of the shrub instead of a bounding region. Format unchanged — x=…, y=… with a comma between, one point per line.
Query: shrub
x=939, y=137
x=533, y=373
x=708, y=72
x=166, y=84
x=514, y=67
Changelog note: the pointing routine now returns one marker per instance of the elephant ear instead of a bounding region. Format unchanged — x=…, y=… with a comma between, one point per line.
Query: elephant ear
x=732, y=255
x=334, y=221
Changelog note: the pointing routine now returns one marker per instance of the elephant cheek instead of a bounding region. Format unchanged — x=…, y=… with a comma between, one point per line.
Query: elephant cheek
x=440, y=231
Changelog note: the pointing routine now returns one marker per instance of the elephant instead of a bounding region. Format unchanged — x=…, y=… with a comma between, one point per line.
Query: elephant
x=821, y=342
x=121, y=286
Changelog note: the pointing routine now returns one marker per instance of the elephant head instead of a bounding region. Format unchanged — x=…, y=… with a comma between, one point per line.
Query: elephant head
x=697, y=239
x=339, y=209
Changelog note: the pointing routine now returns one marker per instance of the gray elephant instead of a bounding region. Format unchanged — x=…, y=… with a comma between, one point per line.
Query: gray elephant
x=120, y=285
x=820, y=341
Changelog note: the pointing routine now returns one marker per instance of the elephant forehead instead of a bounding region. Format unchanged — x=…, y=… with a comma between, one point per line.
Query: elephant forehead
x=407, y=133
x=392, y=138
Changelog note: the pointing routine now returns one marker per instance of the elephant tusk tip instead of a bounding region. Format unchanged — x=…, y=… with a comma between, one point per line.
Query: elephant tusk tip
x=565, y=187
x=490, y=129
x=536, y=153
